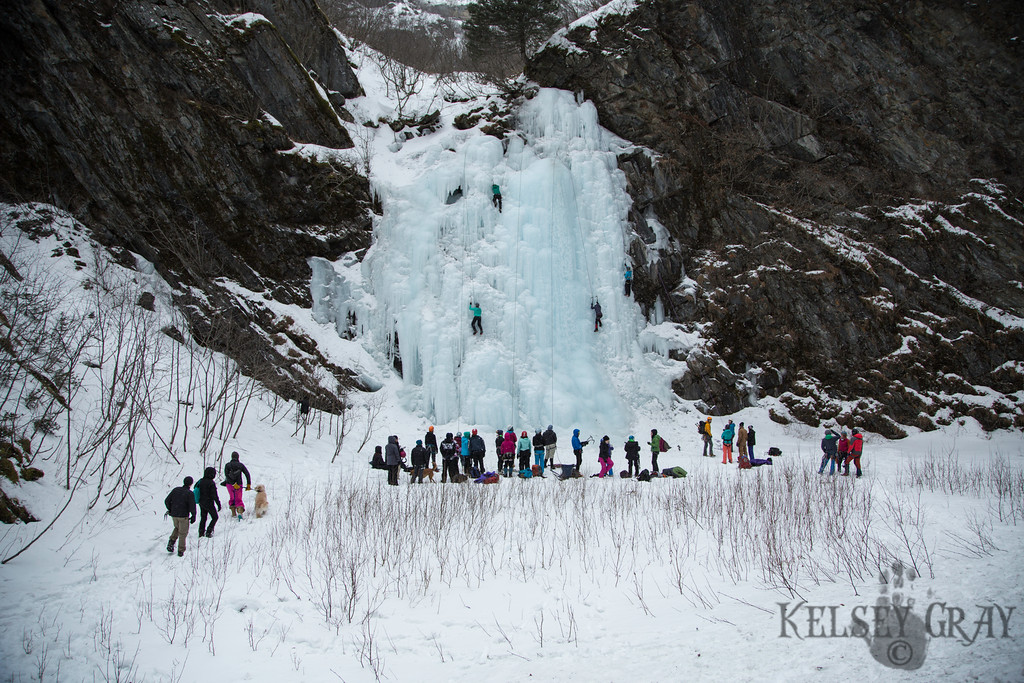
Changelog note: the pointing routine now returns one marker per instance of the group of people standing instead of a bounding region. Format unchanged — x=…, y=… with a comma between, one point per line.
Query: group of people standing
x=744, y=438
x=839, y=450
x=181, y=502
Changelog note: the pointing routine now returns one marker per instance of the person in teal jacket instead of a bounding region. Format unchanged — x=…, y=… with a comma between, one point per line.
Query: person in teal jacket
x=727, y=436
x=477, y=323
x=496, y=197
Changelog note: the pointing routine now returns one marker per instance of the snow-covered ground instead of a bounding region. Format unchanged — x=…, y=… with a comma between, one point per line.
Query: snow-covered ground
x=723, y=574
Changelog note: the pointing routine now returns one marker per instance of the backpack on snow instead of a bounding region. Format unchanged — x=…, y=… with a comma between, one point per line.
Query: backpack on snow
x=744, y=462
x=662, y=445
x=644, y=476
x=624, y=474
x=773, y=451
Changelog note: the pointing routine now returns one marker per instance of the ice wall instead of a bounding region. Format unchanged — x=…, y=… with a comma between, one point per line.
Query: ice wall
x=534, y=268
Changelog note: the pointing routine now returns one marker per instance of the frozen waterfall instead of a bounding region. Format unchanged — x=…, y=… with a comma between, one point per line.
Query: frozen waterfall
x=534, y=268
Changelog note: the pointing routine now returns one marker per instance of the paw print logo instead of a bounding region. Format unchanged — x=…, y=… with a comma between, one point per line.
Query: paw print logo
x=896, y=636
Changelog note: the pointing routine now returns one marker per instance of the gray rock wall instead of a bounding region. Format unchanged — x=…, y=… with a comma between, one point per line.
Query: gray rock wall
x=785, y=134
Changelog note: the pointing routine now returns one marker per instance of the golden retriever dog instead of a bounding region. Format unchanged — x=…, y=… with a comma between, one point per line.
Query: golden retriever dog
x=260, y=505
x=428, y=472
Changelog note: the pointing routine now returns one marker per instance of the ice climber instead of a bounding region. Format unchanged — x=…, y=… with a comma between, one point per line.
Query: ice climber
x=496, y=197
x=596, y=306
x=477, y=325
x=627, y=276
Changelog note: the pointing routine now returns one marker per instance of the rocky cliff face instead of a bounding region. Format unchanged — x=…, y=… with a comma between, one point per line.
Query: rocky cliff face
x=169, y=128
x=817, y=168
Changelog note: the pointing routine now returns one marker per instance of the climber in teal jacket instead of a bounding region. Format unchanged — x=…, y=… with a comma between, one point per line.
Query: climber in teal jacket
x=477, y=323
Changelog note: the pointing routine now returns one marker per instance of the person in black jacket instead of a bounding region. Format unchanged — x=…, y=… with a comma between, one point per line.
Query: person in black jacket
x=430, y=442
x=420, y=459
x=181, y=506
x=449, y=458
x=233, y=471
x=477, y=451
x=550, y=444
x=393, y=459
x=632, y=449
x=209, y=502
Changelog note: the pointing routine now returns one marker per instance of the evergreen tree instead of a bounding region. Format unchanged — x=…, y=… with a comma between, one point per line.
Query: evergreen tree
x=509, y=25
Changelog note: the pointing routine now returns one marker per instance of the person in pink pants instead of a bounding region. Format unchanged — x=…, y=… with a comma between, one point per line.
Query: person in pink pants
x=605, y=456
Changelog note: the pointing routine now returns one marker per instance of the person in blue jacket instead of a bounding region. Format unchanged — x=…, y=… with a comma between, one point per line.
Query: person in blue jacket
x=628, y=276
x=727, y=436
x=577, y=448
x=496, y=197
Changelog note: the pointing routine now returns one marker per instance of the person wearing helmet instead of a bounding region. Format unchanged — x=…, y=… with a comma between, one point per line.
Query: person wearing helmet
x=524, y=453
x=508, y=452
x=632, y=450
x=477, y=451
x=550, y=442
x=430, y=442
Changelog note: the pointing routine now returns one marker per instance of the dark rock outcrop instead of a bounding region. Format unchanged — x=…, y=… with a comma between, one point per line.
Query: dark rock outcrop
x=170, y=129
x=816, y=171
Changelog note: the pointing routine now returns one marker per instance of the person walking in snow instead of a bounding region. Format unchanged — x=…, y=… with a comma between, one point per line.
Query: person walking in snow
x=550, y=443
x=627, y=275
x=523, y=447
x=430, y=442
x=577, y=448
x=477, y=325
x=741, y=441
x=632, y=451
x=707, y=439
x=393, y=459
x=856, y=448
x=596, y=307
x=209, y=502
x=538, y=450
x=728, y=434
x=420, y=459
x=449, y=458
x=829, y=451
x=233, y=471
x=751, y=440
x=655, y=444
x=181, y=506
x=496, y=197
x=604, y=456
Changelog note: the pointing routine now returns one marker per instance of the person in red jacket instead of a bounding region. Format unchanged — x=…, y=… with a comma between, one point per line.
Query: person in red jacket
x=856, y=448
